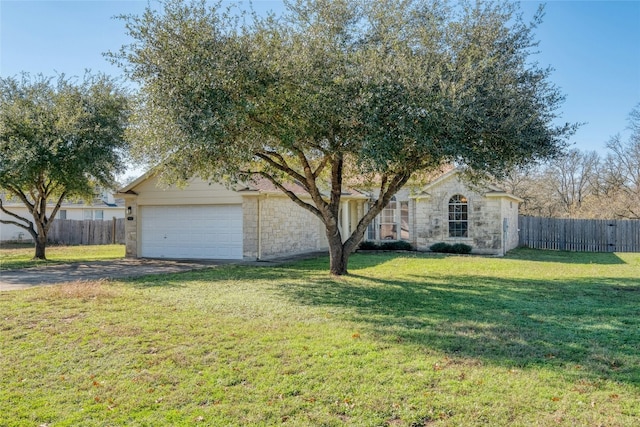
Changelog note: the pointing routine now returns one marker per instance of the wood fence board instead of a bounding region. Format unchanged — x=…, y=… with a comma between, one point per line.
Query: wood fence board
x=584, y=235
x=87, y=232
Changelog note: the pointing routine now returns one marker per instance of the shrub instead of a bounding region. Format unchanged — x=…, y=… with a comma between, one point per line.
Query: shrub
x=396, y=245
x=399, y=245
x=368, y=245
x=441, y=247
x=458, y=248
x=461, y=248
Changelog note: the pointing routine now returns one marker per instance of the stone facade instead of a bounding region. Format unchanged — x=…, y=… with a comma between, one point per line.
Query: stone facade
x=487, y=213
x=285, y=228
x=273, y=226
x=250, y=227
x=131, y=226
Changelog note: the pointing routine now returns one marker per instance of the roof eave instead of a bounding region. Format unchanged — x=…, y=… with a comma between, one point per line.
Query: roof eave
x=503, y=194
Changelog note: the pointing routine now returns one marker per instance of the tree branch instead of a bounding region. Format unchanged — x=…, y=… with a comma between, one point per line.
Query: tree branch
x=4, y=221
x=321, y=166
x=284, y=167
x=54, y=212
x=310, y=180
x=23, y=197
x=293, y=196
x=336, y=182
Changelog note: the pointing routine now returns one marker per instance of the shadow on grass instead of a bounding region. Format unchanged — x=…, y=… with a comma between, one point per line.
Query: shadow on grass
x=524, y=254
x=565, y=257
x=587, y=327
x=590, y=327
x=359, y=260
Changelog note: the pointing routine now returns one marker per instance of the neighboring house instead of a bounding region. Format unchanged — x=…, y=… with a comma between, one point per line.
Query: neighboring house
x=104, y=207
x=257, y=221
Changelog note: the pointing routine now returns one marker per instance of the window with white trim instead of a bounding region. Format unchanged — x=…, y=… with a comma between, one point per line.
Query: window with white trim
x=458, y=216
x=392, y=223
x=93, y=214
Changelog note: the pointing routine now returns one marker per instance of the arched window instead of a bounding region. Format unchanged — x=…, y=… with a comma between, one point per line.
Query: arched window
x=458, y=216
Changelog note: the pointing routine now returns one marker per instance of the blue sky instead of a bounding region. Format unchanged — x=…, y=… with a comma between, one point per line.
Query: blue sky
x=594, y=47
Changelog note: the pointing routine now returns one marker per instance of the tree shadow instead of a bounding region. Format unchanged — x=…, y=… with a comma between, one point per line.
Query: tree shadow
x=524, y=254
x=591, y=326
x=364, y=260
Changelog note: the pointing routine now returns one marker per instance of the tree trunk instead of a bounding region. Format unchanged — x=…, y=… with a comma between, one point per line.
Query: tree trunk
x=41, y=245
x=338, y=260
x=338, y=257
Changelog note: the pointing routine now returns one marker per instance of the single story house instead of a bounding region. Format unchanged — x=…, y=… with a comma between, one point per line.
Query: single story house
x=256, y=221
x=104, y=207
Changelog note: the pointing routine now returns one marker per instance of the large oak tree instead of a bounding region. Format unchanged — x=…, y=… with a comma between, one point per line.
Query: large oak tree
x=335, y=89
x=59, y=138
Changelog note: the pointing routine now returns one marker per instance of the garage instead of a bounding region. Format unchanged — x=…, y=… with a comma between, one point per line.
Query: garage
x=191, y=232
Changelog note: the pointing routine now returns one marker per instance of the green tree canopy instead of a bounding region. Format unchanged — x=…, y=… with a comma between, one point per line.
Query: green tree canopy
x=331, y=90
x=58, y=139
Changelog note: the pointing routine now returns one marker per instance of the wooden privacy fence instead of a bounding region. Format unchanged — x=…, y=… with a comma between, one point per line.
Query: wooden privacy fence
x=582, y=235
x=87, y=232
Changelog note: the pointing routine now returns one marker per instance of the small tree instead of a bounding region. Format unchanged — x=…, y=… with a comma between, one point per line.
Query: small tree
x=58, y=139
x=330, y=90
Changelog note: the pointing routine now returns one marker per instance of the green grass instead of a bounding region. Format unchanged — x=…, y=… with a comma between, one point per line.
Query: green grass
x=533, y=339
x=21, y=255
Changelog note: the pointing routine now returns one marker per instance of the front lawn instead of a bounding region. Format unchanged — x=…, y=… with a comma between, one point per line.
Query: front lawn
x=533, y=339
x=21, y=255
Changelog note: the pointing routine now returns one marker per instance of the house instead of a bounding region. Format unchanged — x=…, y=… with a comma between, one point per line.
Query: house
x=210, y=221
x=257, y=221
x=103, y=207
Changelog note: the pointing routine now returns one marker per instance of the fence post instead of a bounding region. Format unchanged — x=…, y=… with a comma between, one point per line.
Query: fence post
x=611, y=237
x=113, y=230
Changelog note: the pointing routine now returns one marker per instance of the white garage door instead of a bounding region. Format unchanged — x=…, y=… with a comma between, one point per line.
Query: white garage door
x=191, y=232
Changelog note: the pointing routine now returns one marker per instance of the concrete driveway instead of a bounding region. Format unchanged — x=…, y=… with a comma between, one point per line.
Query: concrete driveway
x=115, y=269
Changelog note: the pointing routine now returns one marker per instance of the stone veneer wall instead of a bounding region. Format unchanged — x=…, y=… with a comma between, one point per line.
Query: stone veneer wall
x=131, y=228
x=431, y=220
x=286, y=228
x=250, y=228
